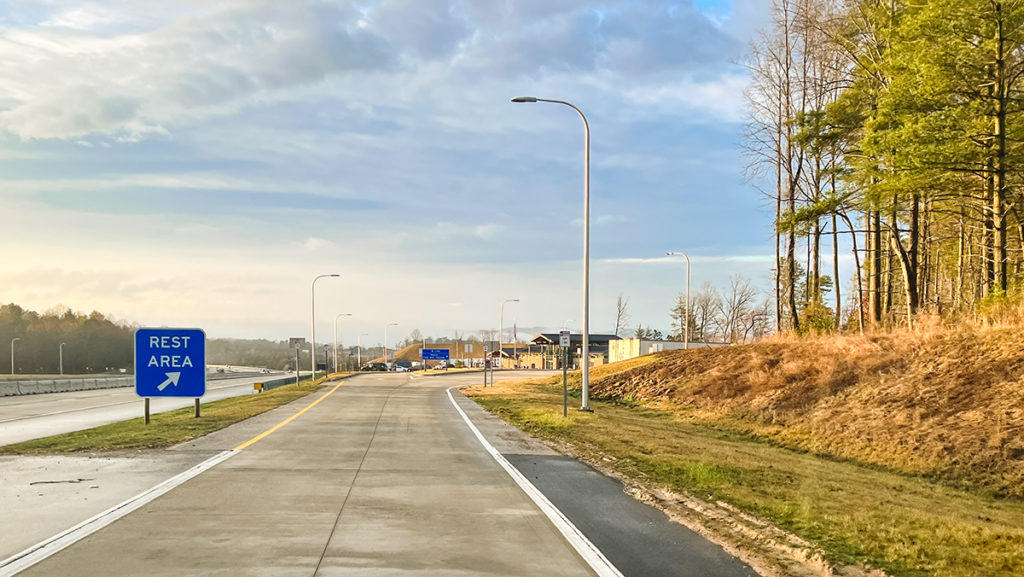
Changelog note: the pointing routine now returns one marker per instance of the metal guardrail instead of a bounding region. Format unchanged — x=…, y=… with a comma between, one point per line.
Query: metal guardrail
x=274, y=383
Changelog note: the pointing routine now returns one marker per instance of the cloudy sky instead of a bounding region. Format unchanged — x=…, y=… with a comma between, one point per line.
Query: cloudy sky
x=198, y=163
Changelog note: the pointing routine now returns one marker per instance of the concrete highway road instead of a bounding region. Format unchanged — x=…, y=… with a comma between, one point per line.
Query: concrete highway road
x=27, y=417
x=384, y=475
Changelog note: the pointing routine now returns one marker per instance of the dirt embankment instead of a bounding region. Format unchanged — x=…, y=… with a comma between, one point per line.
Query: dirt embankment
x=946, y=404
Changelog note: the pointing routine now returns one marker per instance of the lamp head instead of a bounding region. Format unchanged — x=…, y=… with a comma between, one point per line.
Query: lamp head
x=524, y=99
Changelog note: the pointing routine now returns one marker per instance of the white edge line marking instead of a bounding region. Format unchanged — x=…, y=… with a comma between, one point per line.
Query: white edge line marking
x=590, y=553
x=43, y=549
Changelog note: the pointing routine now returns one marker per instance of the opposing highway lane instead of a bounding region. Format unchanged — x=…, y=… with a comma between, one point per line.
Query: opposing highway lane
x=23, y=418
x=381, y=476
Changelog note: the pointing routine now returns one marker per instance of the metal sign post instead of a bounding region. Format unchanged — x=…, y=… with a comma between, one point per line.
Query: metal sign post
x=565, y=382
x=487, y=364
x=563, y=341
x=298, y=343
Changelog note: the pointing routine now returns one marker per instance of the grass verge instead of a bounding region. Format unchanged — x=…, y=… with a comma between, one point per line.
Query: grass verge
x=856, y=515
x=165, y=429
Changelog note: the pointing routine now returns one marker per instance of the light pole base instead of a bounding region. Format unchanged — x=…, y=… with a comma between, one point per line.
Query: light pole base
x=586, y=410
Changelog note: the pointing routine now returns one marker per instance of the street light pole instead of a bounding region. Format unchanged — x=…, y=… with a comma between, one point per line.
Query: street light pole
x=386, y=343
x=14, y=340
x=61, y=349
x=359, y=349
x=686, y=328
x=336, y=338
x=501, y=326
x=586, y=243
x=312, y=300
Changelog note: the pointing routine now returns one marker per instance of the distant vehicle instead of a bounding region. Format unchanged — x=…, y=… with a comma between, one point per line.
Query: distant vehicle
x=265, y=371
x=401, y=369
x=378, y=367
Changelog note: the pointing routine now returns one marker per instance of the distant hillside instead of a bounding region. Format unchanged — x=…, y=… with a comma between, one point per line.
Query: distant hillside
x=946, y=404
x=409, y=353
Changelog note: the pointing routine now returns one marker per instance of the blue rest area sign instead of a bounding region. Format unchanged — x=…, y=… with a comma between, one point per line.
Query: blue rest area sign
x=170, y=362
x=435, y=354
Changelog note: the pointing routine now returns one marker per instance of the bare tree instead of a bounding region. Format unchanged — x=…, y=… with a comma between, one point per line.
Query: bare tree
x=704, y=304
x=757, y=322
x=734, y=307
x=414, y=337
x=621, y=314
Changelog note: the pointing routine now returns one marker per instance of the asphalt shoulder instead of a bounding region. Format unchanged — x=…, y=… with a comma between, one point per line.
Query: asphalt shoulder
x=640, y=540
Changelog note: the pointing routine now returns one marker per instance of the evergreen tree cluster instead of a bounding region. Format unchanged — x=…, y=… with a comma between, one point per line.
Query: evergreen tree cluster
x=897, y=125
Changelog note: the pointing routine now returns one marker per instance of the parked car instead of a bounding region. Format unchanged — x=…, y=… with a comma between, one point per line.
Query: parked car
x=380, y=367
x=401, y=369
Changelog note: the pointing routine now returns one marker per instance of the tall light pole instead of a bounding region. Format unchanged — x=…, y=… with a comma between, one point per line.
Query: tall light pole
x=686, y=328
x=312, y=300
x=359, y=349
x=386, y=343
x=336, y=337
x=501, y=326
x=586, y=242
x=14, y=340
x=61, y=350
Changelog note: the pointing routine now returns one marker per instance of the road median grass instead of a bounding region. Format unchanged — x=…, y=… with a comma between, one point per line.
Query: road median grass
x=165, y=429
x=855, y=517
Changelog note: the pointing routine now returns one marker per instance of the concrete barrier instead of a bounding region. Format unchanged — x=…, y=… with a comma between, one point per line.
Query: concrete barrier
x=36, y=386
x=13, y=387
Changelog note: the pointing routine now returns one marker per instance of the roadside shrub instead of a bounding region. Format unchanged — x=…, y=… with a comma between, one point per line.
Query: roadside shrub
x=817, y=319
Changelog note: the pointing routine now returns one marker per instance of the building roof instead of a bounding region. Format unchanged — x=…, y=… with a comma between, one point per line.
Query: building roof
x=574, y=338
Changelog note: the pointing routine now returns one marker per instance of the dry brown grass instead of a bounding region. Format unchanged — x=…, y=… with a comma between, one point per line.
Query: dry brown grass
x=936, y=402
x=851, y=518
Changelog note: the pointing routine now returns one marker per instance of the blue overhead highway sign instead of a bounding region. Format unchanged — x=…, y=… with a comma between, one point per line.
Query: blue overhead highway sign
x=170, y=362
x=435, y=354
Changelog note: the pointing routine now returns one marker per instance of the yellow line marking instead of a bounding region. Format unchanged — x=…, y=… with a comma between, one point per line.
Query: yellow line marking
x=286, y=421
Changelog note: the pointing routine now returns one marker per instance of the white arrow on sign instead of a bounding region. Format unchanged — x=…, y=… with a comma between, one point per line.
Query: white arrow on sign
x=172, y=379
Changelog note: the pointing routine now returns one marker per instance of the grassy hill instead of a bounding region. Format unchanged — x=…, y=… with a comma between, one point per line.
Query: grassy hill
x=945, y=404
x=900, y=452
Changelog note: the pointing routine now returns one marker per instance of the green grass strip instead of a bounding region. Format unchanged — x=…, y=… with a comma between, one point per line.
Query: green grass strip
x=165, y=429
x=858, y=515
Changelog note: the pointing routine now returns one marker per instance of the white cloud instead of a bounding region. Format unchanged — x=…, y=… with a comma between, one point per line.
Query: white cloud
x=489, y=231
x=70, y=85
x=744, y=258
x=720, y=97
x=314, y=244
x=73, y=78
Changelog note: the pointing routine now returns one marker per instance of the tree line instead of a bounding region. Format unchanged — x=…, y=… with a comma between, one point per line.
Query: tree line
x=896, y=125
x=92, y=343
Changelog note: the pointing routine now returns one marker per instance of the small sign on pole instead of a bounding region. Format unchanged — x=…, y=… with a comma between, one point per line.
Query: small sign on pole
x=563, y=338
